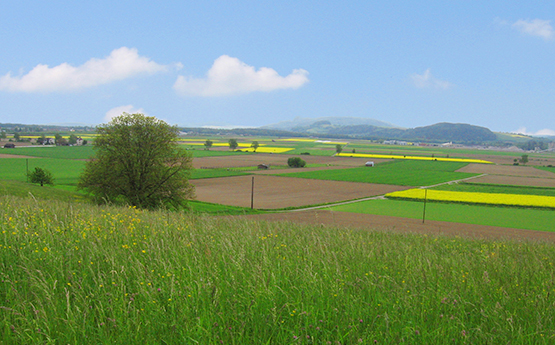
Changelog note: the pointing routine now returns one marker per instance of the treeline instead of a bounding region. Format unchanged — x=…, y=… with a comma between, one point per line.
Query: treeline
x=534, y=144
x=242, y=132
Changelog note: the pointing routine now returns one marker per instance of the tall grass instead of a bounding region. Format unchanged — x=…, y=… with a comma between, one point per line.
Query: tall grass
x=82, y=274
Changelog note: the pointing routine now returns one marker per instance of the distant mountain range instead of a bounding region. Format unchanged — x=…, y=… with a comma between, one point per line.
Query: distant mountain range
x=351, y=127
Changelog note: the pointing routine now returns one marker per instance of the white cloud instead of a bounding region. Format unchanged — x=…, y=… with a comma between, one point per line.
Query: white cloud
x=229, y=76
x=543, y=132
x=535, y=27
x=122, y=63
x=427, y=80
x=117, y=111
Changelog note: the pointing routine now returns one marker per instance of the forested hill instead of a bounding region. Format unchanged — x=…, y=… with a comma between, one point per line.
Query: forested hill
x=456, y=132
x=441, y=132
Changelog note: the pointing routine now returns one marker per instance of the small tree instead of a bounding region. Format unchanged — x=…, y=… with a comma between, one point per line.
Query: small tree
x=3, y=135
x=16, y=136
x=338, y=148
x=524, y=159
x=232, y=144
x=255, y=145
x=72, y=139
x=41, y=176
x=296, y=162
x=208, y=144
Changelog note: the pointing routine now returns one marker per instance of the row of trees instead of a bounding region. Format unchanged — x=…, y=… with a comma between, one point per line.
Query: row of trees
x=232, y=144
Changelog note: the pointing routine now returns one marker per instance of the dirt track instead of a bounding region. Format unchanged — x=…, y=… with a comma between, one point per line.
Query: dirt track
x=273, y=192
x=374, y=222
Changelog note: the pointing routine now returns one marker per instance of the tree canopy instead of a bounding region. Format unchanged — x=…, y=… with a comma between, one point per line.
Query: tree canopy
x=41, y=176
x=232, y=144
x=138, y=162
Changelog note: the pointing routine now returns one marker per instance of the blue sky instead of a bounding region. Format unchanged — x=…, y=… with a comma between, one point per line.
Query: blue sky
x=252, y=63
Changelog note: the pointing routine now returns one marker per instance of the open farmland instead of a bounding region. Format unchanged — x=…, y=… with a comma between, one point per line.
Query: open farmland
x=516, y=181
x=506, y=170
x=231, y=160
x=502, y=199
x=511, y=175
x=275, y=192
x=400, y=172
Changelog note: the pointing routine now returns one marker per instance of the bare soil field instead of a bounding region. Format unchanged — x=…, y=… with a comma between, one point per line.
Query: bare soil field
x=5, y=155
x=508, y=170
x=274, y=159
x=374, y=222
x=275, y=192
x=516, y=181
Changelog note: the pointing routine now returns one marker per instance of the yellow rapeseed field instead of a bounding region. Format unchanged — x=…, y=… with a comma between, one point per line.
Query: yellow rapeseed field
x=477, y=198
x=369, y=155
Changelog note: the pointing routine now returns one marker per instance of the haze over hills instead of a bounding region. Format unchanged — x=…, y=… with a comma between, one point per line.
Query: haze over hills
x=362, y=128
x=302, y=122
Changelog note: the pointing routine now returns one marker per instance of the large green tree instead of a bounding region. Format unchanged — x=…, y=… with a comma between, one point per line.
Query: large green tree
x=138, y=162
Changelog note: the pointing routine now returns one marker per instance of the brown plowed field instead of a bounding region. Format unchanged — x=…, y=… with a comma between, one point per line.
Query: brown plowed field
x=274, y=159
x=516, y=181
x=3, y=155
x=509, y=170
x=374, y=222
x=274, y=192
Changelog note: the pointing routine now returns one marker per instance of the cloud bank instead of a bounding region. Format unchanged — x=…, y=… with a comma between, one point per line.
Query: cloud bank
x=117, y=111
x=535, y=27
x=427, y=80
x=230, y=76
x=540, y=133
x=121, y=64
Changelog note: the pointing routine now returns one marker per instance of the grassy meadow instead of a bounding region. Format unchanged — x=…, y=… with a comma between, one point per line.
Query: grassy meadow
x=401, y=172
x=509, y=217
x=77, y=273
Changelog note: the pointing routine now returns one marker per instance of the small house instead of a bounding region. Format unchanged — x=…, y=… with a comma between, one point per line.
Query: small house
x=263, y=166
x=9, y=146
x=369, y=164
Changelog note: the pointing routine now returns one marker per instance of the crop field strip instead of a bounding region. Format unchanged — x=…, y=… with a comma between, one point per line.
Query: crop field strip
x=59, y=152
x=401, y=172
x=499, y=216
x=502, y=199
x=491, y=188
x=422, y=158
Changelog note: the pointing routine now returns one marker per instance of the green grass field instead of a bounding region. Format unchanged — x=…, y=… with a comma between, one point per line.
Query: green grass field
x=28, y=190
x=82, y=274
x=510, y=217
x=65, y=171
x=403, y=173
x=61, y=152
